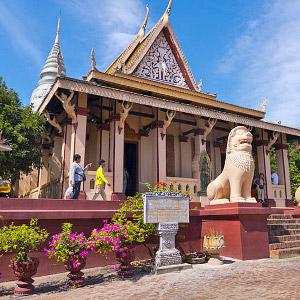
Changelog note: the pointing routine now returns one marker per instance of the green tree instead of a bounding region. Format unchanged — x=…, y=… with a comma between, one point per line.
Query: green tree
x=22, y=129
x=294, y=168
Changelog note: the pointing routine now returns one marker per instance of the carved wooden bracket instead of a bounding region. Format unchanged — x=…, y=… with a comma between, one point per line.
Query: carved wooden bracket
x=170, y=114
x=69, y=108
x=53, y=122
x=124, y=114
x=272, y=141
x=208, y=129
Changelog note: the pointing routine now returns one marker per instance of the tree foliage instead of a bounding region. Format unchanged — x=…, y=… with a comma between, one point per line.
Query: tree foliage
x=22, y=129
x=294, y=168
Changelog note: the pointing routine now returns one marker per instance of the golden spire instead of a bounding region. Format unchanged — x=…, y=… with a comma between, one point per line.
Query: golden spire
x=141, y=33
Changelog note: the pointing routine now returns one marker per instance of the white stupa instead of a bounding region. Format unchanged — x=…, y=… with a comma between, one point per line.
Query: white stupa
x=48, y=74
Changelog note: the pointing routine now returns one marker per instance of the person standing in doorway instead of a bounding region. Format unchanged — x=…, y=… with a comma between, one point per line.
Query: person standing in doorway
x=125, y=177
x=274, y=178
x=101, y=181
x=77, y=175
x=260, y=187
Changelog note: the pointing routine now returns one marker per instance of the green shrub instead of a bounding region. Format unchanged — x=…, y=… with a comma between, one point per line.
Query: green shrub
x=22, y=239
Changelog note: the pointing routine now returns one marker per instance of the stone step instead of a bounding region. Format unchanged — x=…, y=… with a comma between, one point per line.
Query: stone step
x=283, y=221
x=283, y=232
x=285, y=253
x=285, y=245
x=274, y=217
x=283, y=226
x=284, y=238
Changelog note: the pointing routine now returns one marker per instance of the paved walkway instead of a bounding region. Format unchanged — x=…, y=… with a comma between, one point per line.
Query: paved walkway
x=260, y=279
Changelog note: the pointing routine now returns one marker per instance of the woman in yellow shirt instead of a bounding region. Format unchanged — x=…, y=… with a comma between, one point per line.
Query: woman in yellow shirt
x=101, y=181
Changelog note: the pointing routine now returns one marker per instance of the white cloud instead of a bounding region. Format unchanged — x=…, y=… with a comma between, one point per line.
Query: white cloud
x=265, y=59
x=116, y=23
x=20, y=38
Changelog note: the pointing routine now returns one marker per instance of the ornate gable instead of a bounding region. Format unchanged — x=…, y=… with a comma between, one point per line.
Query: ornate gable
x=160, y=64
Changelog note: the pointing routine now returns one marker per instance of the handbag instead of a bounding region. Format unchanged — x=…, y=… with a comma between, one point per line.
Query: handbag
x=261, y=186
x=83, y=176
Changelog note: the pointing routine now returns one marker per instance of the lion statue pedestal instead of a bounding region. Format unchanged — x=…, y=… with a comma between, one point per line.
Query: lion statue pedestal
x=234, y=183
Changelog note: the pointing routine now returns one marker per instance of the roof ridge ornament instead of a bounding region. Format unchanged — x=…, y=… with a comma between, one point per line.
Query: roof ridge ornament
x=263, y=105
x=142, y=31
x=166, y=15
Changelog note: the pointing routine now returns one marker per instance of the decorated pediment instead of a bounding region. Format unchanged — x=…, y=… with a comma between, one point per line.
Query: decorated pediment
x=159, y=64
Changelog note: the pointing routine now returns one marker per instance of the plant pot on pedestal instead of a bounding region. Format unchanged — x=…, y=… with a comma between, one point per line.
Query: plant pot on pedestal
x=125, y=258
x=214, y=246
x=24, y=270
x=74, y=264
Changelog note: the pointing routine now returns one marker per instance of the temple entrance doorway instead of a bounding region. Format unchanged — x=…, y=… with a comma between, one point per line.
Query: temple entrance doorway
x=130, y=168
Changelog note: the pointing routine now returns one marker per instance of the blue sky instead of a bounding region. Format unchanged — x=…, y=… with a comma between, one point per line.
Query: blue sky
x=243, y=50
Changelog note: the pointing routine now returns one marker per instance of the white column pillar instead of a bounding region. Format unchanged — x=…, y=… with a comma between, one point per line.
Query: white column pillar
x=160, y=151
x=66, y=154
x=117, y=157
x=57, y=158
x=45, y=170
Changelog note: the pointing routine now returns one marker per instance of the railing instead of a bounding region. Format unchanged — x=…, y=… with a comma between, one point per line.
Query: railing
x=191, y=185
x=90, y=185
x=279, y=192
x=50, y=190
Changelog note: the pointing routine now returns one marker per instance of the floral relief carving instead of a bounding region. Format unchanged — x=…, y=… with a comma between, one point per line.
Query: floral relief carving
x=160, y=64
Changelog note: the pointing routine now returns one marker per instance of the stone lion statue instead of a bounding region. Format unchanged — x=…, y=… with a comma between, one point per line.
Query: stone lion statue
x=234, y=183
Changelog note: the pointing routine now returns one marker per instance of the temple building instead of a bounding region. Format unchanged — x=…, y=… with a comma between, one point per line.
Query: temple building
x=145, y=113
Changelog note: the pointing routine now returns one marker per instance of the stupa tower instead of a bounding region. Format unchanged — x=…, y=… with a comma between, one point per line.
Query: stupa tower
x=49, y=73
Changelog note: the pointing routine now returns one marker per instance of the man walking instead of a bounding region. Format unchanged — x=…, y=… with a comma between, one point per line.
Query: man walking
x=101, y=181
x=77, y=175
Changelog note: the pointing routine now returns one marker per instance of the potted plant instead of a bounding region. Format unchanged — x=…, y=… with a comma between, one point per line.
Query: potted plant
x=214, y=244
x=205, y=172
x=120, y=237
x=71, y=249
x=23, y=239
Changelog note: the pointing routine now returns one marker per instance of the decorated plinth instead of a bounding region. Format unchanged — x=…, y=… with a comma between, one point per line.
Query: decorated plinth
x=166, y=210
x=244, y=226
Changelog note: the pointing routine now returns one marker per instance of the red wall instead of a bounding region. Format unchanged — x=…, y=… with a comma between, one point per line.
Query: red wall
x=243, y=225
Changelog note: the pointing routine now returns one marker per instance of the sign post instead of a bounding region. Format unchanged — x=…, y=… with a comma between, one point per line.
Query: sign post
x=166, y=210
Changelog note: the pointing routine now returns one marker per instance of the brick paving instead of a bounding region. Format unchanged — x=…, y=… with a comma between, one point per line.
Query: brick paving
x=260, y=279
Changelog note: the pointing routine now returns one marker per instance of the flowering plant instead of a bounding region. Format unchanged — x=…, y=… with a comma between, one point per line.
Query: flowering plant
x=117, y=236
x=67, y=243
x=22, y=239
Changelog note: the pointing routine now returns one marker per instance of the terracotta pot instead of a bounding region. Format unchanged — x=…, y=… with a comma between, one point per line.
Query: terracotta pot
x=76, y=278
x=24, y=271
x=126, y=270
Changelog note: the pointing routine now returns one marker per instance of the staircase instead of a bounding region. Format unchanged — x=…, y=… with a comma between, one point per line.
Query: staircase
x=284, y=236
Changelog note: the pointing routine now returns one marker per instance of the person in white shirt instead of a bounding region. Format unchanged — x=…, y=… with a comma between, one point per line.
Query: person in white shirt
x=274, y=178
